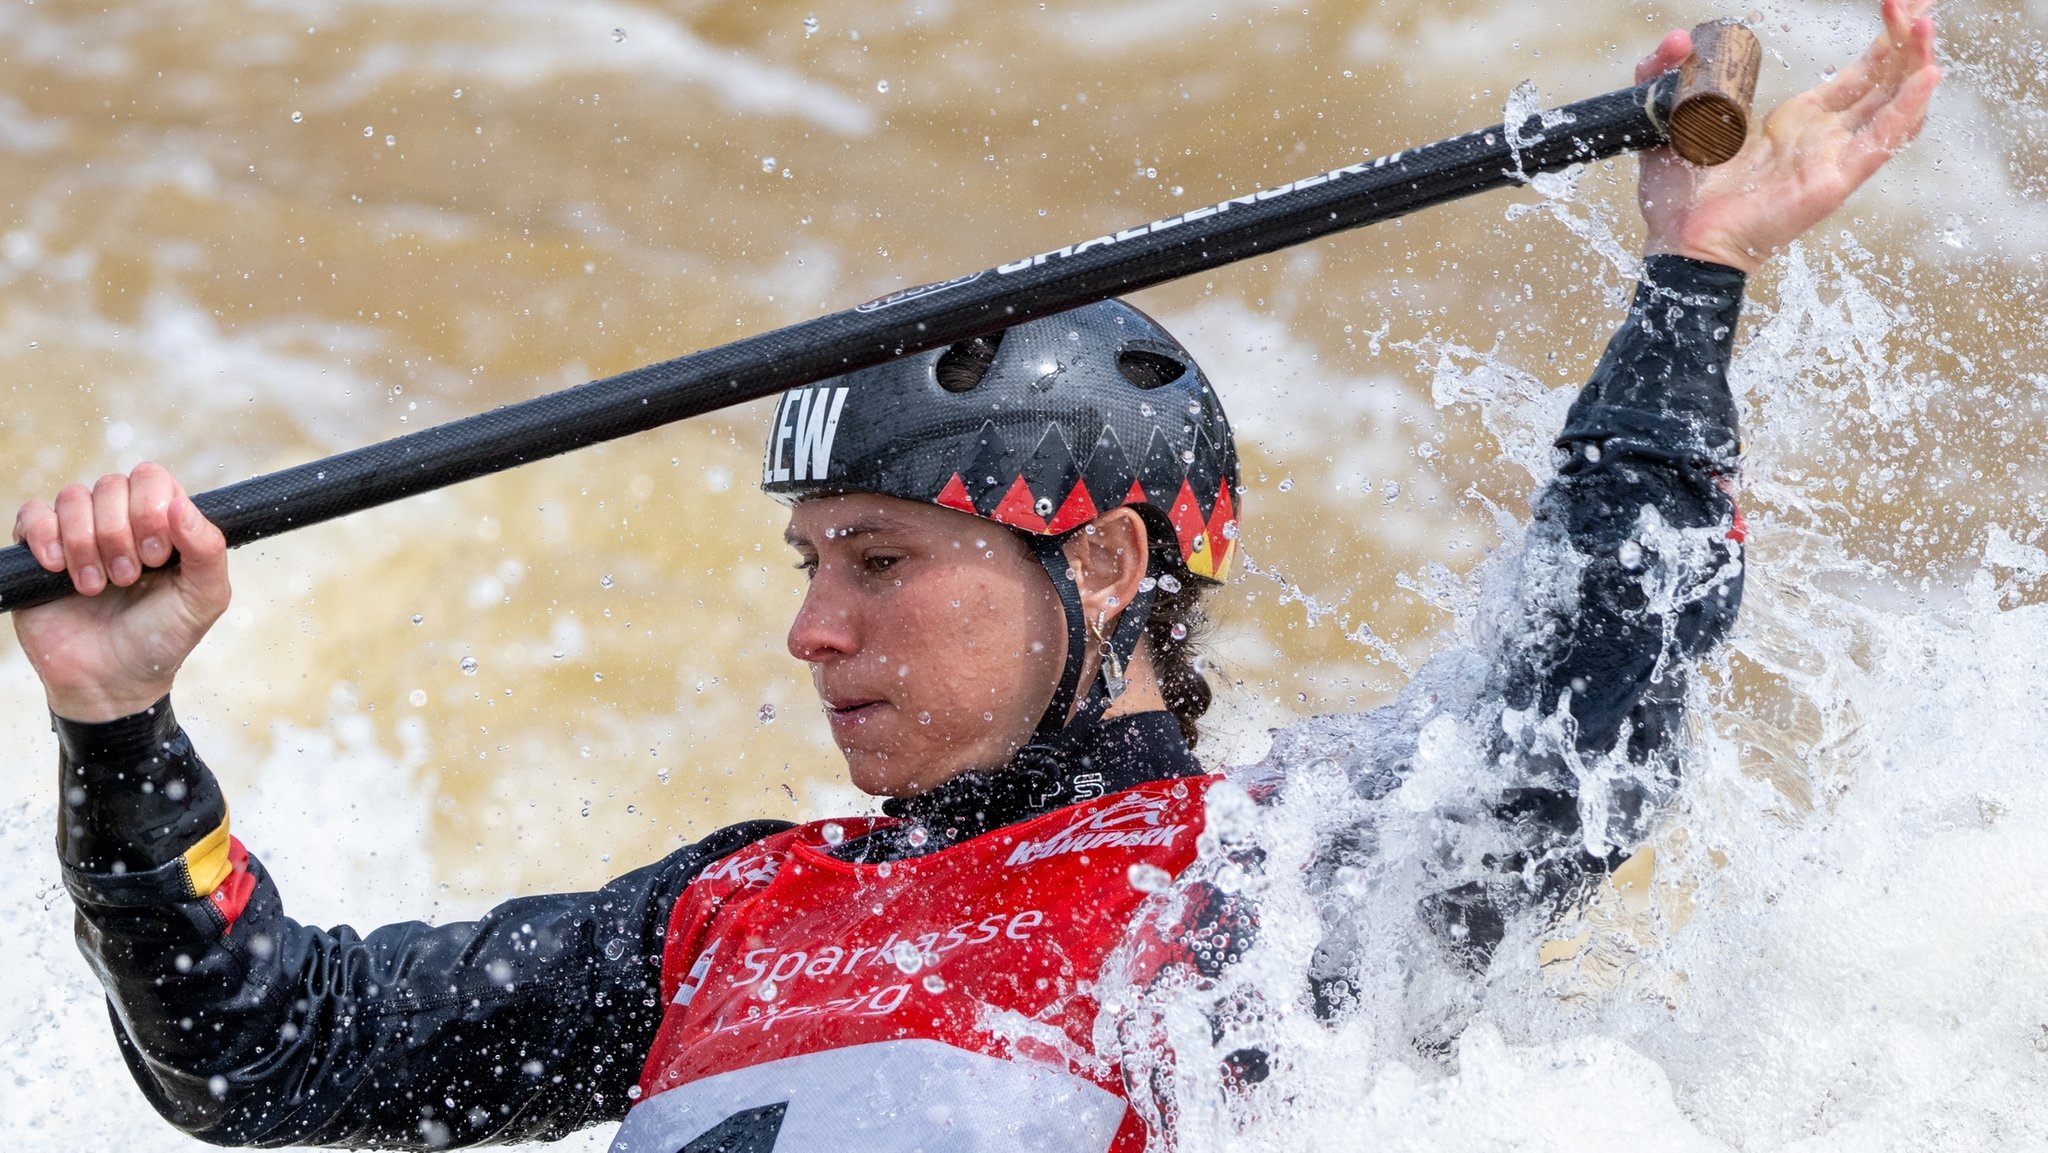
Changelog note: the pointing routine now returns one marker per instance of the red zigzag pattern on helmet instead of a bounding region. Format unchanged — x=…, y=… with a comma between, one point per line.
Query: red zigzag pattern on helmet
x=1019, y=509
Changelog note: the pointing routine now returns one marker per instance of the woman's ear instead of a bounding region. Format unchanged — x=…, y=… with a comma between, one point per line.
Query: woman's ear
x=1108, y=557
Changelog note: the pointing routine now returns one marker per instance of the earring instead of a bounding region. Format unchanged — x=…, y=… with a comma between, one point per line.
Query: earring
x=1112, y=665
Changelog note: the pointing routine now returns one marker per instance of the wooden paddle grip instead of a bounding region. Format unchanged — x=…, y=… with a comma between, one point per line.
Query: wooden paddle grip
x=1716, y=84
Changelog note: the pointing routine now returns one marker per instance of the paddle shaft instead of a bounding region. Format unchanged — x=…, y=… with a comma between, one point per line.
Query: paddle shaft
x=938, y=314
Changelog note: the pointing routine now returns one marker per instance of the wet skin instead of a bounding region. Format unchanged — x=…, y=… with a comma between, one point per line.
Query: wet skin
x=935, y=638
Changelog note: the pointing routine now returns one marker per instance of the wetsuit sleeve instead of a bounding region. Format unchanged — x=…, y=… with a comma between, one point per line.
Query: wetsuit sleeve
x=1573, y=695
x=244, y=1027
x=1632, y=570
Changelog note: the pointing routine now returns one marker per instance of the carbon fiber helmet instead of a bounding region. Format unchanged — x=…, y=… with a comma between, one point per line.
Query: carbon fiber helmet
x=990, y=427
x=1077, y=413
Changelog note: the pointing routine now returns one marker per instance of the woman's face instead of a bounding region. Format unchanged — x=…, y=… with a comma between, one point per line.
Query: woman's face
x=934, y=637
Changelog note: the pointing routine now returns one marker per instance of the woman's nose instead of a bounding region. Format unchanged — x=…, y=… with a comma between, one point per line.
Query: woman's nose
x=824, y=624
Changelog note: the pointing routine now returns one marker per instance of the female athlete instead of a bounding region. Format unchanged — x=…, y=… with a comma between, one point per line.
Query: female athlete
x=1006, y=543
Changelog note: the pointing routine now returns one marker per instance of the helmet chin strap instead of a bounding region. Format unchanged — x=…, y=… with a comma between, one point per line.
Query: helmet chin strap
x=1108, y=683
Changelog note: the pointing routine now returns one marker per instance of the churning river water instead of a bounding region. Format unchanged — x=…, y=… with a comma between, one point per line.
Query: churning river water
x=234, y=236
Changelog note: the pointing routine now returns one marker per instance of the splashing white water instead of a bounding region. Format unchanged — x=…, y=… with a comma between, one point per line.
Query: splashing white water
x=1835, y=947
x=1832, y=943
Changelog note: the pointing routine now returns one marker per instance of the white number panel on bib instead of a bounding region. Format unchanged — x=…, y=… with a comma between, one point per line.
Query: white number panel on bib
x=913, y=1096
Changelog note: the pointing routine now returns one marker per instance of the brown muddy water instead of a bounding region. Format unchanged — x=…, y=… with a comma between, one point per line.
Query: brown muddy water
x=237, y=236
x=241, y=236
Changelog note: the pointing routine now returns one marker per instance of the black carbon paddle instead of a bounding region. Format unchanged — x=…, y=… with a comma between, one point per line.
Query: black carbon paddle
x=1701, y=109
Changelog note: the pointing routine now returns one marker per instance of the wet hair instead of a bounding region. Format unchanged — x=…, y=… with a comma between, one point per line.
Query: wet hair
x=1176, y=660
x=964, y=364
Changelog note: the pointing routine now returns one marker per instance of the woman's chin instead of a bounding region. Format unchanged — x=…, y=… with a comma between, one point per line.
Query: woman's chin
x=895, y=773
x=879, y=775
x=882, y=760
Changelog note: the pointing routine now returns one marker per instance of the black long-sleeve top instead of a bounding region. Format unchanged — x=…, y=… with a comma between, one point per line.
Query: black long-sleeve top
x=534, y=1021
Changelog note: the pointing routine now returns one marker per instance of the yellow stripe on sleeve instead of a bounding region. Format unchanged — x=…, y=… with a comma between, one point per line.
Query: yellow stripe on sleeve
x=206, y=863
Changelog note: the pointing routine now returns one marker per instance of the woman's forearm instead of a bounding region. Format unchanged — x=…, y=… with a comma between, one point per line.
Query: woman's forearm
x=245, y=1027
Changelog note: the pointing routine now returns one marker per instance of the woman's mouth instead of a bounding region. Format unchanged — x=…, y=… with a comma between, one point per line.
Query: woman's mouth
x=847, y=712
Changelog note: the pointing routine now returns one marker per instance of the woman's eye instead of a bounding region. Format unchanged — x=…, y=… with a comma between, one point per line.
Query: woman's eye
x=808, y=566
x=882, y=564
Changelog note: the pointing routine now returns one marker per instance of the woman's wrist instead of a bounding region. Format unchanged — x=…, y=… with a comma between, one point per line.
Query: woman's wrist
x=1743, y=261
x=96, y=705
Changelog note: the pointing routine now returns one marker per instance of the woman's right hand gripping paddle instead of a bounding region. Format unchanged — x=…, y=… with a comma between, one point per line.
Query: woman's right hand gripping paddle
x=113, y=650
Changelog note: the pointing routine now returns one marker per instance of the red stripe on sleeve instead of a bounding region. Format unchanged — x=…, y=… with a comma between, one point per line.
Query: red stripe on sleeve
x=232, y=895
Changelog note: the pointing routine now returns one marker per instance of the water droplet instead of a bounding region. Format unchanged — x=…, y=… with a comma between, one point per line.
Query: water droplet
x=833, y=832
x=605, y=581
x=1287, y=484
x=917, y=836
x=1145, y=408
x=1828, y=73
x=417, y=698
x=884, y=870
x=1149, y=878
x=767, y=992
x=618, y=35
x=469, y=666
x=881, y=85
x=924, y=718
x=1169, y=584
x=298, y=117
x=767, y=164
x=1180, y=631
x=907, y=958
x=390, y=140
x=369, y=130
x=766, y=714
x=458, y=93
x=933, y=983
x=1630, y=554
x=418, y=619
x=810, y=26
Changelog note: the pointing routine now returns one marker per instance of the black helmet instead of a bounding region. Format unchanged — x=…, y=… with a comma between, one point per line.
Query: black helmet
x=1075, y=414
x=991, y=427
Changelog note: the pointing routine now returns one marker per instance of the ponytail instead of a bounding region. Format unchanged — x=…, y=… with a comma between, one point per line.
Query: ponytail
x=1174, y=634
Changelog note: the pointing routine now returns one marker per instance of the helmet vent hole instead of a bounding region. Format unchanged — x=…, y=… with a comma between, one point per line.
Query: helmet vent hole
x=964, y=364
x=1149, y=369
